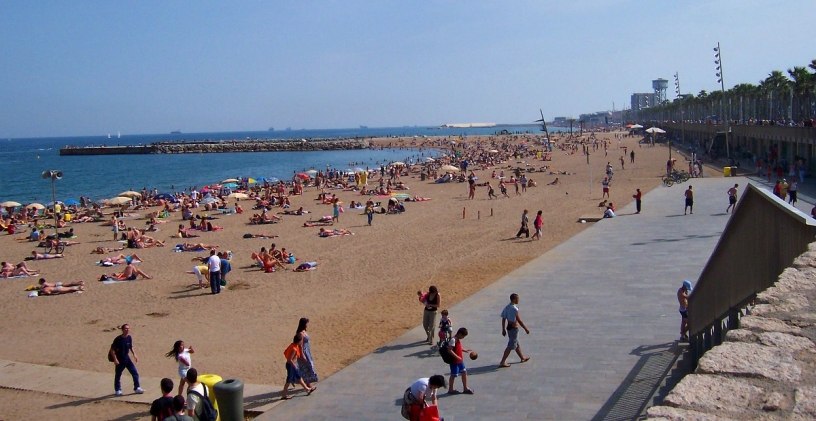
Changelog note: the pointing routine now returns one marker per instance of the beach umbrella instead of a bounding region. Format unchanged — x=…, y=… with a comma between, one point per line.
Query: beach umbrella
x=71, y=202
x=35, y=206
x=493, y=151
x=208, y=200
x=10, y=204
x=636, y=126
x=397, y=163
x=130, y=193
x=429, y=159
x=303, y=176
x=251, y=180
x=237, y=195
x=119, y=200
x=655, y=130
x=311, y=172
x=163, y=196
x=231, y=180
x=50, y=204
x=358, y=169
x=449, y=168
x=230, y=185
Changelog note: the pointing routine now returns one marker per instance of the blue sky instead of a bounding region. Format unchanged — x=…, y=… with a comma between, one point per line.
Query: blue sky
x=96, y=67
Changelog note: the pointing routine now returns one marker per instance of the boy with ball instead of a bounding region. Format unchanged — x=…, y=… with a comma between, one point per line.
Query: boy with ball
x=458, y=368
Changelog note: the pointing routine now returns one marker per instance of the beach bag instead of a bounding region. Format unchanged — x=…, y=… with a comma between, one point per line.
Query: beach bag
x=408, y=401
x=443, y=352
x=429, y=413
x=208, y=412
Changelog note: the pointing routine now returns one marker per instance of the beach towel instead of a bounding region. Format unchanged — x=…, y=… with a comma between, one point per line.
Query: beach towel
x=109, y=264
x=114, y=281
x=16, y=276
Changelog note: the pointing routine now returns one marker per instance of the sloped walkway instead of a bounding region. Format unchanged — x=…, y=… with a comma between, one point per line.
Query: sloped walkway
x=601, y=308
x=603, y=317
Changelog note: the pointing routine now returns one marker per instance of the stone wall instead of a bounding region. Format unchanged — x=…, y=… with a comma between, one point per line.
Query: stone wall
x=259, y=146
x=766, y=369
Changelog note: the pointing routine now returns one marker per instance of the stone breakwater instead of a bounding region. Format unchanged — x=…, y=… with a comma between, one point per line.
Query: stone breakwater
x=766, y=369
x=221, y=147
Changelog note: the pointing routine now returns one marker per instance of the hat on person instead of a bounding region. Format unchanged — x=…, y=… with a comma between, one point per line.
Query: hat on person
x=687, y=284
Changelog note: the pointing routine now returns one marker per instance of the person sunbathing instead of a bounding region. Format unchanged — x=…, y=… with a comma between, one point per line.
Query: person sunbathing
x=248, y=235
x=303, y=267
x=21, y=269
x=121, y=259
x=145, y=242
x=105, y=250
x=318, y=223
x=184, y=233
x=47, y=288
x=130, y=273
x=333, y=233
x=299, y=211
x=266, y=261
x=556, y=181
x=38, y=256
x=197, y=247
x=53, y=242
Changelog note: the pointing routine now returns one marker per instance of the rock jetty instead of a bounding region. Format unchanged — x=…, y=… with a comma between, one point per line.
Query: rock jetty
x=222, y=146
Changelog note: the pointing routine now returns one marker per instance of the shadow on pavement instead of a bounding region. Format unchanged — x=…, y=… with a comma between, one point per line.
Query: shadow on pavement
x=650, y=380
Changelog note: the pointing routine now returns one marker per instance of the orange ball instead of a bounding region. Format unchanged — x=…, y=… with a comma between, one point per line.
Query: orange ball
x=474, y=355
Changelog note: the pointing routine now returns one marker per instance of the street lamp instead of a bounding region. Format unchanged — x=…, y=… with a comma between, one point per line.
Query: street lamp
x=718, y=62
x=53, y=175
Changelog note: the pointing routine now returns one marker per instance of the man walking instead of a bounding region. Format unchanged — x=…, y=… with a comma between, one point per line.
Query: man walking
x=632, y=157
x=682, y=298
x=214, y=266
x=119, y=353
x=511, y=320
x=605, y=184
x=689, y=201
x=732, y=198
x=525, y=225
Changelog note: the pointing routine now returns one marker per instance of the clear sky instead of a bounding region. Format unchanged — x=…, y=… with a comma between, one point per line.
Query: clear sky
x=97, y=67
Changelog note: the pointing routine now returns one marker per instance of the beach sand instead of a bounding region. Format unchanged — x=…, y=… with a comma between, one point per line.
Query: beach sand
x=362, y=295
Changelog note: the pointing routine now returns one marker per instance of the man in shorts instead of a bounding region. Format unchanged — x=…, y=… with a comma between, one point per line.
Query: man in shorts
x=511, y=320
x=689, y=201
x=732, y=198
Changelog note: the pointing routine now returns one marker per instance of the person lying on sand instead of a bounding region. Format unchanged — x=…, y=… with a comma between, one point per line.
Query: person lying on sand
x=129, y=274
x=53, y=242
x=556, y=181
x=417, y=199
x=121, y=259
x=303, y=267
x=20, y=269
x=38, y=256
x=106, y=250
x=47, y=288
x=299, y=211
x=334, y=233
x=196, y=247
x=248, y=235
x=145, y=242
x=317, y=223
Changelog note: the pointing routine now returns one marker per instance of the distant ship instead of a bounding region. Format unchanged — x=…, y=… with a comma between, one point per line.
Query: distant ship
x=176, y=132
x=271, y=129
x=363, y=127
x=288, y=129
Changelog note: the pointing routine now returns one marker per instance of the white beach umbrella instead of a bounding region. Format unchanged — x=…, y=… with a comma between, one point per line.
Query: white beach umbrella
x=130, y=193
x=636, y=126
x=119, y=200
x=397, y=163
x=449, y=168
x=10, y=204
x=35, y=206
x=237, y=195
x=655, y=130
x=429, y=159
x=311, y=172
x=231, y=180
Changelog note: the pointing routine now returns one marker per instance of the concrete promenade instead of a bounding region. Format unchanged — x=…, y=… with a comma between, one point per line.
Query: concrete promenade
x=601, y=308
x=603, y=317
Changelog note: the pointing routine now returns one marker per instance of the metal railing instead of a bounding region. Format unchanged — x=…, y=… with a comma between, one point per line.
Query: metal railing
x=762, y=238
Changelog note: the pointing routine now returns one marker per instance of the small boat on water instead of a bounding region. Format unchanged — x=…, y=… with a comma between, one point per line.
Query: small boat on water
x=363, y=127
x=176, y=132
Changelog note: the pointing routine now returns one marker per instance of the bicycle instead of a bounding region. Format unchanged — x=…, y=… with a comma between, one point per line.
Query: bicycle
x=675, y=177
x=53, y=245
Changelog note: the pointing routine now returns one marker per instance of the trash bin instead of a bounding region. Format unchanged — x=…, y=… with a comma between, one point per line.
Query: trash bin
x=727, y=171
x=210, y=380
x=230, y=394
x=734, y=171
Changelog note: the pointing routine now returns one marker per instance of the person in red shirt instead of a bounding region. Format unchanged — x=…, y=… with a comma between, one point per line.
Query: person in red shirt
x=638, y=196
x=458, y=368
x=292, y=354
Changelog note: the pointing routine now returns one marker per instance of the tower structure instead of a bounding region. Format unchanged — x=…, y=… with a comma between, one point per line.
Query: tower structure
x=660, y=86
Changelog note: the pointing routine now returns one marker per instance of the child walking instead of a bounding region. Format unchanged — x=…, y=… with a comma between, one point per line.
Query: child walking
x=458, y=368
x=445, y=327
x=182, y=356
x=292, y=354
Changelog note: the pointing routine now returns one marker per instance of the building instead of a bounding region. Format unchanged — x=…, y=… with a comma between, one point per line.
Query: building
x=641, y=101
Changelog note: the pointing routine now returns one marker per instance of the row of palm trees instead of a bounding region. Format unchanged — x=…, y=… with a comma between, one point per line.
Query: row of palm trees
x=779, y=98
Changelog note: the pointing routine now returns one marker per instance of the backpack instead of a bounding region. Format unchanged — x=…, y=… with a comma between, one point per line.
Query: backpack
x=208, y=412
x=443, y=351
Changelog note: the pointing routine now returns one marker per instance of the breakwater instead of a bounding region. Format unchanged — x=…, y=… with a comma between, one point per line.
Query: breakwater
x=220, y=147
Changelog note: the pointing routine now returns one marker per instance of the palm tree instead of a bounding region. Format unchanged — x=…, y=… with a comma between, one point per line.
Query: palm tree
x=779, y=87
x=801, y=86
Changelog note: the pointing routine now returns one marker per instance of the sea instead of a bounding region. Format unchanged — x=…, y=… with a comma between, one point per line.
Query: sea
x=23, y=161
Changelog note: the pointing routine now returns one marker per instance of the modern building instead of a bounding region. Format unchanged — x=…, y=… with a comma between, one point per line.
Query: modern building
x=641, y=101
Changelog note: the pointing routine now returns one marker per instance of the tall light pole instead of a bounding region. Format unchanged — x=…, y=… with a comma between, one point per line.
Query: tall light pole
x=682, y=111
x=718, y=62
x=54, y=175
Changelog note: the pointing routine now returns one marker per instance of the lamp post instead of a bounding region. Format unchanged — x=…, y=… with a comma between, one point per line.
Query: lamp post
x=718, y=62
x=53, y=175
x=682, y=111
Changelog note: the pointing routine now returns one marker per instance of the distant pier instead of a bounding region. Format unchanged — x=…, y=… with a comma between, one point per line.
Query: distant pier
x=221, y=146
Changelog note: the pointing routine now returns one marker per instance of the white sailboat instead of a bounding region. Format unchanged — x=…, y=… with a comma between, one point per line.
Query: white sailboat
x=119, y=135
x=109, y=136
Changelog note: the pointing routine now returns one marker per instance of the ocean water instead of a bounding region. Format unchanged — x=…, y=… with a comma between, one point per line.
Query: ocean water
x=24, y=160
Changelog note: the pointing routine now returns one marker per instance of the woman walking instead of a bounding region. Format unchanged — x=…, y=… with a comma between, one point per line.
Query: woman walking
x=182, y=356
x=432, y=301
x=305, y=362
x=537, y=224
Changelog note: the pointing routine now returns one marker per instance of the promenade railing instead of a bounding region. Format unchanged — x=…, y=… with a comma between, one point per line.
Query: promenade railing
x=762, y=238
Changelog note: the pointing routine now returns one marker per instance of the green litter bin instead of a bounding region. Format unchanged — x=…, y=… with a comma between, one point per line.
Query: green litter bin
x=230, y=393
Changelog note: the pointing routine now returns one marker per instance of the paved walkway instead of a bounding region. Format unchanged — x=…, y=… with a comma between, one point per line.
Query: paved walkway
x=603, y=317
x=601, y=308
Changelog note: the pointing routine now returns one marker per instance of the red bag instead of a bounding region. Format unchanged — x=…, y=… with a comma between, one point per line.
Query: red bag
x=429, y=413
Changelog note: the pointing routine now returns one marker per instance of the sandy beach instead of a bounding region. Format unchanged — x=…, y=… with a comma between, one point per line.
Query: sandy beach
x=362, y=295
